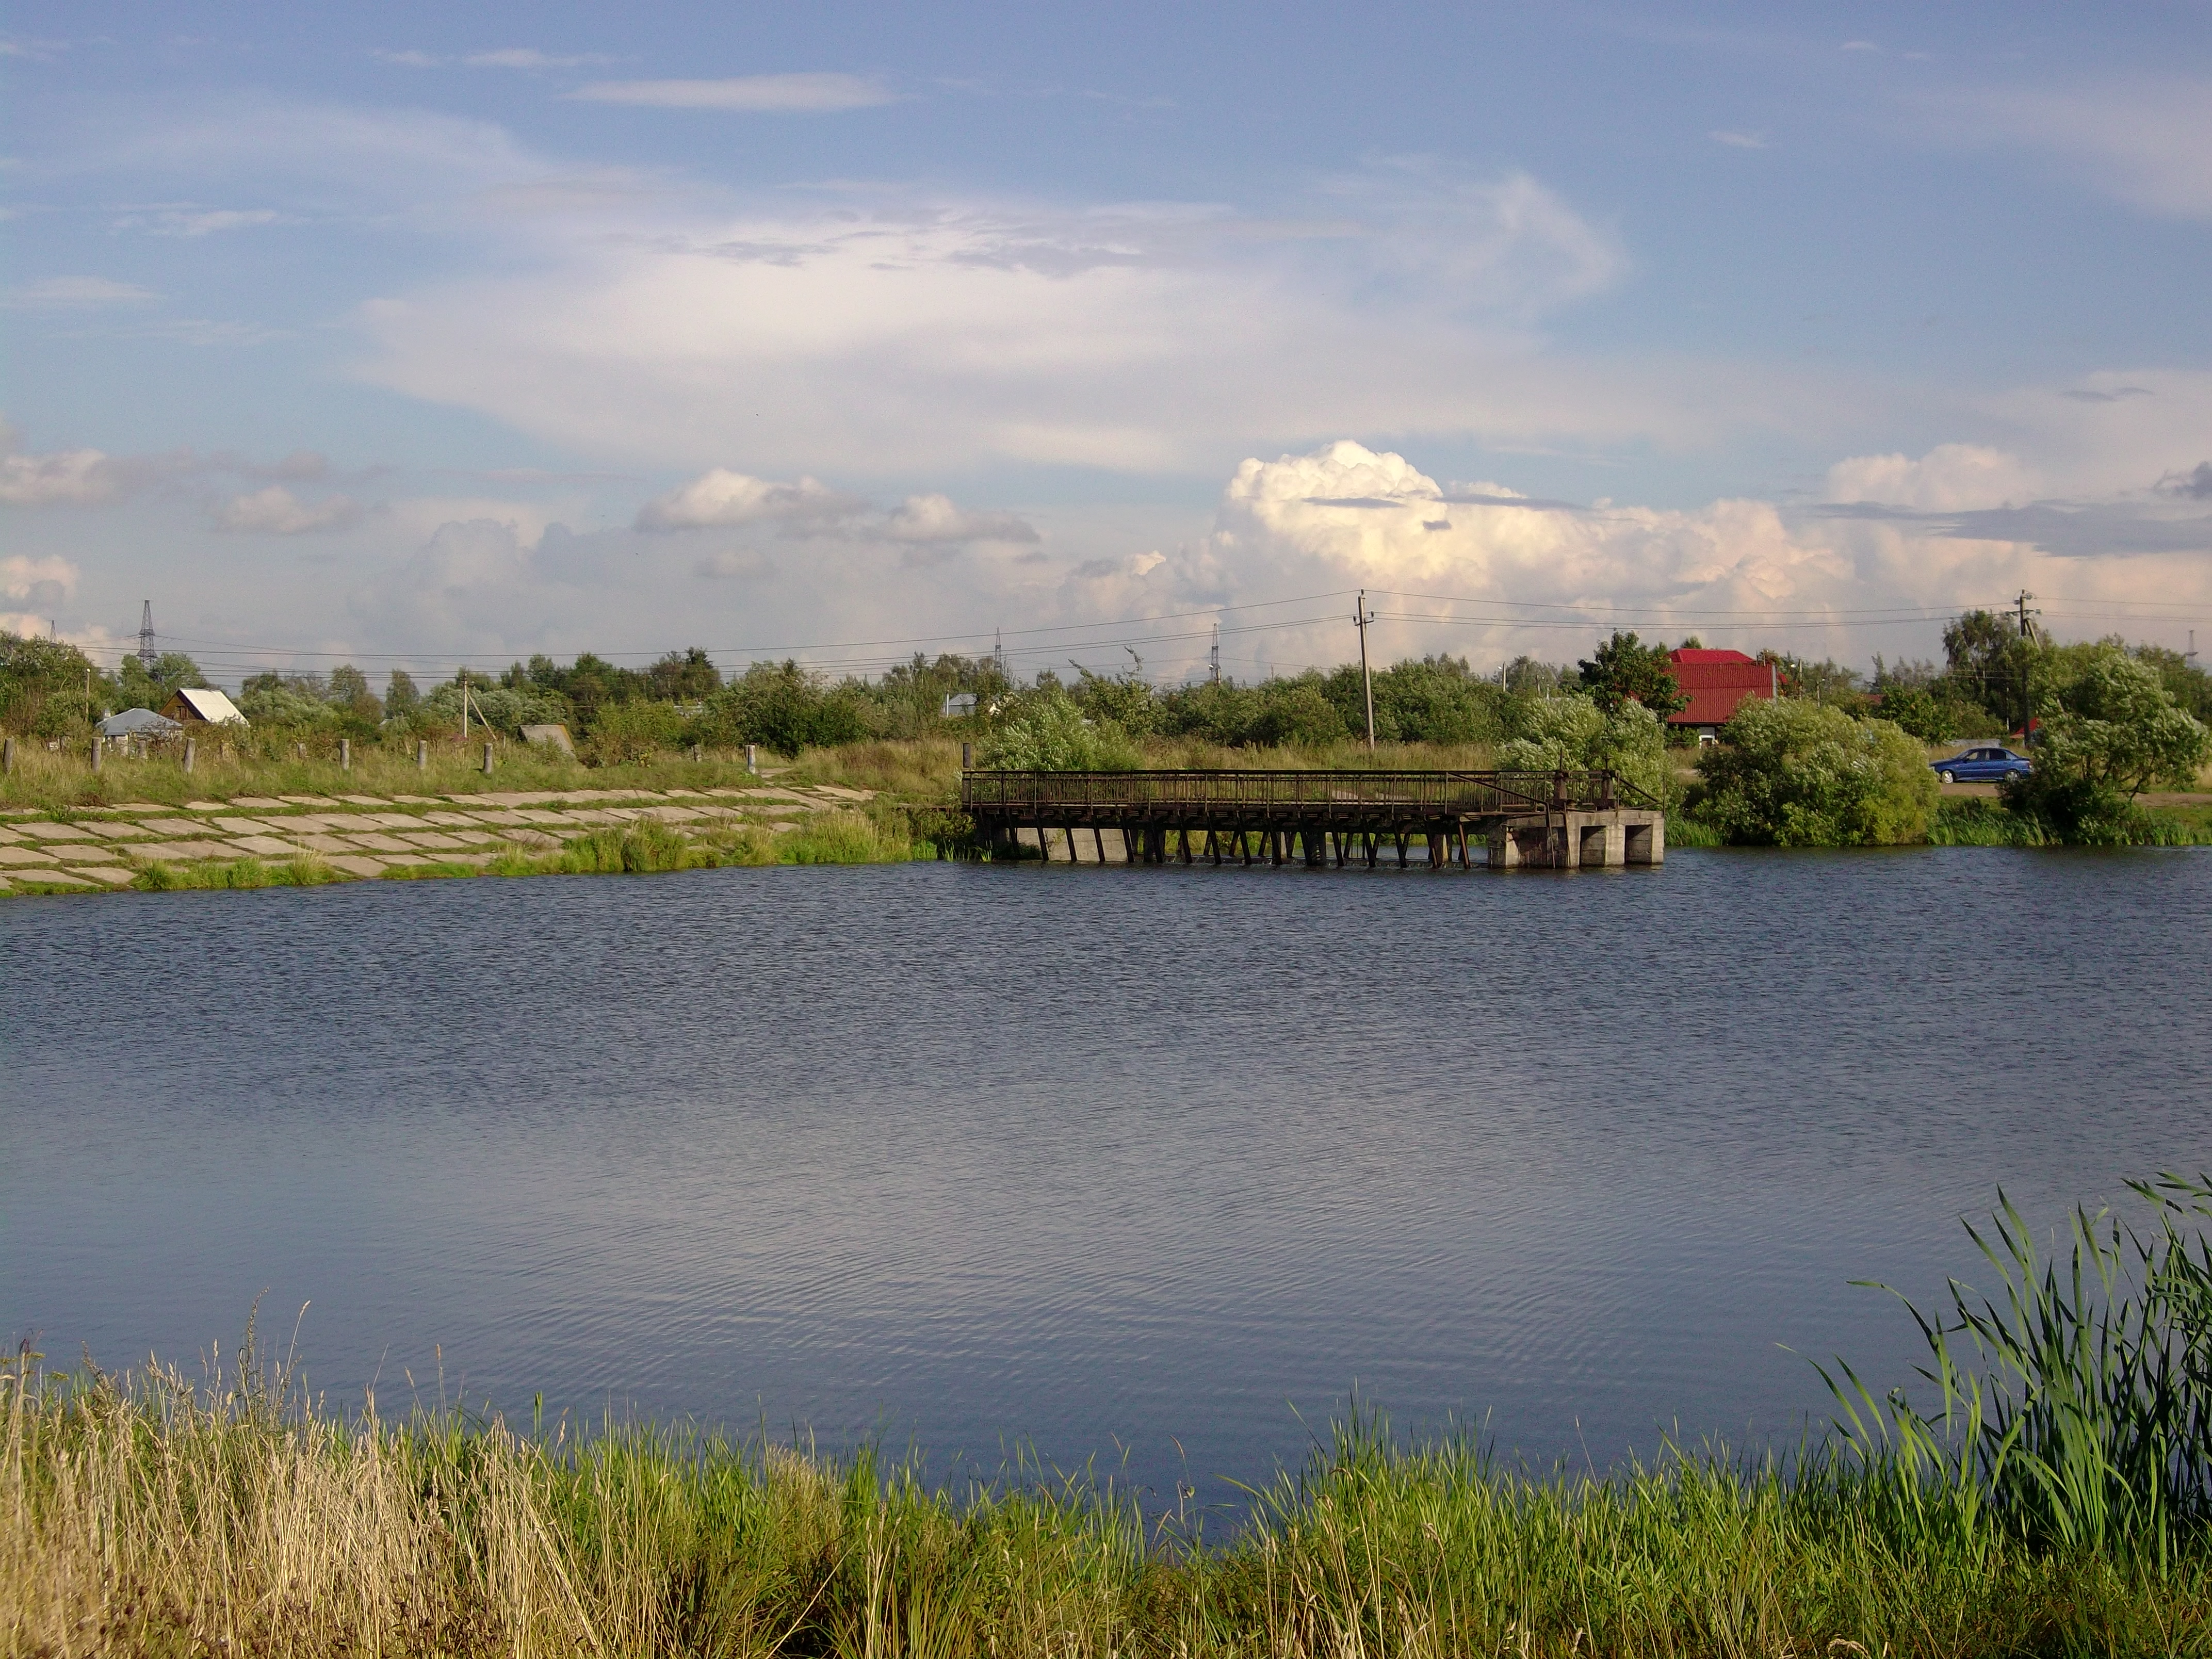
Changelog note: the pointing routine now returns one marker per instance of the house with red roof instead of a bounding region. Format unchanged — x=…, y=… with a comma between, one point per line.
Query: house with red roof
x=1716, y=682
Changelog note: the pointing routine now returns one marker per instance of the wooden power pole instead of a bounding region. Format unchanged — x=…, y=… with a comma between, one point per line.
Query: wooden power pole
x=1361, y=617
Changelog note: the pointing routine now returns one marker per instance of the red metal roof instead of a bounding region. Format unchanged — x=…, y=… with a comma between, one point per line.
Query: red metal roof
x=1716, y=682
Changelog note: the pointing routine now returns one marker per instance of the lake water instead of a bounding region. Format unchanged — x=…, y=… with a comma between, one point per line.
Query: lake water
x=1156, y=1164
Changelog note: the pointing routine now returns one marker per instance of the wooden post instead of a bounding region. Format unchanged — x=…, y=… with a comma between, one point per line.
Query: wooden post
x=191, y=753
x=422, y=754
x=7, y=756
x=96, y=747
x=345, y=754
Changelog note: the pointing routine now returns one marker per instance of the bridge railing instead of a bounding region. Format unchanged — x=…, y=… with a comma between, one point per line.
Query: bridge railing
x=1020, y=794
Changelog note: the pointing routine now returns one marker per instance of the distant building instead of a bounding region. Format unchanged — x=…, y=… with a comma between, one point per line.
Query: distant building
x=958, y=707
x=203, y=706
x=1716, y=682
x=135, y=723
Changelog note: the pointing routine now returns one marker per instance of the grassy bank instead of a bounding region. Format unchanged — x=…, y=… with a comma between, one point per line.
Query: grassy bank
x=2056, y=1504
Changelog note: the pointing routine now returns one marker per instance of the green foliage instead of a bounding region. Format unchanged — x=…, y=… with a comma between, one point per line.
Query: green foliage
x=1300, y=713
x=683, y=677
x=1797, y=774
x=1046, y=732
x=1990, y=665
x=2074, y=1403
x=401, y=699
x=2110, y=730
x=1572, y=733
x=43, y=687
x=783, y=707
x=1219, y=712
x=632, y=734
x=1438, y=700
x=172, y=673
x=505, y=709
x=1626, y=670
x=1123, y=701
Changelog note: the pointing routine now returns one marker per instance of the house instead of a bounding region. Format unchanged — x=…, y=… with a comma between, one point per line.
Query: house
x=201, y=706
x=1716, y=682
x=134, y=725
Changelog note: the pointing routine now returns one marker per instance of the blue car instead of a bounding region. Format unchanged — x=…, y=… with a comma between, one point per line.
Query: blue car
x=1982, y=766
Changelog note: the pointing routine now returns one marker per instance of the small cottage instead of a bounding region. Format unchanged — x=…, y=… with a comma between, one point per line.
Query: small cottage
x=1716, y=682
x=202, y=705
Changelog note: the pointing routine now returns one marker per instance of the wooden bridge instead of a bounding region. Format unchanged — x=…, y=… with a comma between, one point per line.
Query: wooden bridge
x=1550, y=820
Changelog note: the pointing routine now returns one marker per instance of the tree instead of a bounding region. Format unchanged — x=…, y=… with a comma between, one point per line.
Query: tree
x=1798, y=774
x=43, y=686
x=685, y=677
x=1300, y=712
x=173, y=671
x=401, y=699
x=2110, y=730
x=1046, y=732
x=786, y=708
x=1125, y=699
x=1436, y=700
x=1989, y=662
x=1626, y=670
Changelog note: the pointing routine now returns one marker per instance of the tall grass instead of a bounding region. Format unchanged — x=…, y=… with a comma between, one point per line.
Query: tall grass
x=2055, y=1501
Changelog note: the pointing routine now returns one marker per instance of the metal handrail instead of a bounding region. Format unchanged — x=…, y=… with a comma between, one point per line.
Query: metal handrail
x=1448, y=791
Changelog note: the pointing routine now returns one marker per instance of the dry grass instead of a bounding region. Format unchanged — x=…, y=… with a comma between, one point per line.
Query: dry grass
x=158, y=1515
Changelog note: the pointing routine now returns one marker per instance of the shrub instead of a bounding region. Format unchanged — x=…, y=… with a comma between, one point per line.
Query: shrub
x=1047, y=733
x=784, y=707
x=632, y=733
x=1571, y=733
x=1796, y=774
x=1299, y=712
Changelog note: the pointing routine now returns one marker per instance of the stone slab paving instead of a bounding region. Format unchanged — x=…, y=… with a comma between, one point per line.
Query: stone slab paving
x=365, y=836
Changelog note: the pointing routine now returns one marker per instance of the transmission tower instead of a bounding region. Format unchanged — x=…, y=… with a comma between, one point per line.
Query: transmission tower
x=147, y=655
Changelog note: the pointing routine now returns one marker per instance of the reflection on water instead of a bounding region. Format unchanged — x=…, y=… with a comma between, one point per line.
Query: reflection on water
x=1104, y=1159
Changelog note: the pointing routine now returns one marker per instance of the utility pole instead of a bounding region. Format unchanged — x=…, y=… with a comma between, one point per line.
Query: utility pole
x=1361, y=617
x=2027, y=692
x=147, y=656
x=462, y=675
x=1214, y=658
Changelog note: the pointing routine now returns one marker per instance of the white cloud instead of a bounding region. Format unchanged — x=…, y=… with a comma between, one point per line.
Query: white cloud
x=917, y=334
x=76, y=293
x=762, y=93
x=2144, y=139
x=409, y=59
x=67, y=478
x=1736, y=140
x=934, y=521
x=192, y=223
x=1947, y=478
x=38, y=580
x=721, y=497
x=276, y=511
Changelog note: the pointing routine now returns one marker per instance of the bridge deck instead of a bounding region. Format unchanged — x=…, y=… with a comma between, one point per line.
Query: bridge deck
x=1328, y=816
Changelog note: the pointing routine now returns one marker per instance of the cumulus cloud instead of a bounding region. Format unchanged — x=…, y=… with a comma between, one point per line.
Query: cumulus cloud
x=67, y=478
x=1947, y=478
x=819, y=93
x=720, y=497
x=76, y=294
x=934, y=521
x=39, y=580
x=276, y=511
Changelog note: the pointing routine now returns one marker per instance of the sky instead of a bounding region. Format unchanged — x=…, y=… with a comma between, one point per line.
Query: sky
x=419, y=336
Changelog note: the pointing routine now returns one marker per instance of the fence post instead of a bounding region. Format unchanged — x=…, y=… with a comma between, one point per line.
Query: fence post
x=345, y=754
x=422, y=754
x=967, y=756
x=487, y=760
x=96, y=747
x=191, y=753
x=752, y=759
x=7, y=756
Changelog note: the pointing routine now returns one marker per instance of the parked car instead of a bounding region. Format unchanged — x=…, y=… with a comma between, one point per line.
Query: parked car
x=1982, y=766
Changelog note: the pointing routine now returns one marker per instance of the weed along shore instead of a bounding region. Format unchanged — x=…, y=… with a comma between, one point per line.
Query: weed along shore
x=2048, y=1491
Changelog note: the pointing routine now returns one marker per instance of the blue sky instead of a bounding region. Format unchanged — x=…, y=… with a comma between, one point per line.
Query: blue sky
x=418, y=335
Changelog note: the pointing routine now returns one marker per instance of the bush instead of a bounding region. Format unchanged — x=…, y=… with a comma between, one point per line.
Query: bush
x=1796, y=774
x=1047, y=733
x=1298, y=712
x=783, y=707
x=631, y=734
x=1571, y=733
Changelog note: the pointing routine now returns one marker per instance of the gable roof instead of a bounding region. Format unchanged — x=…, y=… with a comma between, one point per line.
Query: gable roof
x=1700, y=655
x=133, y=721
x=1716, y=682
x=209, y=705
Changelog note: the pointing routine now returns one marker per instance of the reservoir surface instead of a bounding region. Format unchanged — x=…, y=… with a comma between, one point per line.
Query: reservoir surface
x=1151, y=1167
